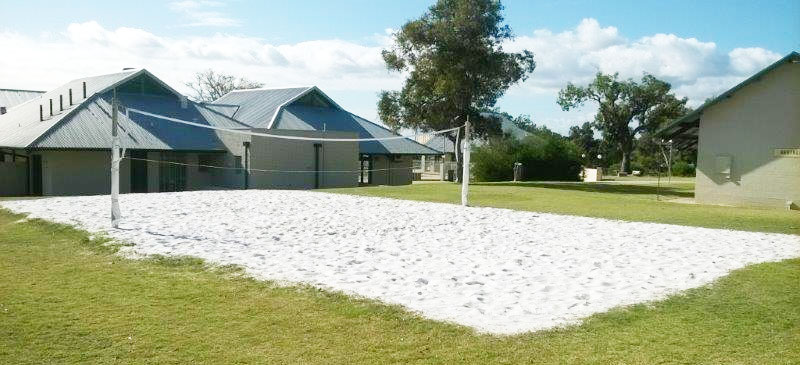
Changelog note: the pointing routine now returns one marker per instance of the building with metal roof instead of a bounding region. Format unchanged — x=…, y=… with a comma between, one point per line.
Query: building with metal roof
x=444, y=145
x=308, y=108
x=58, y=143
x=747, y=140
x=430, y=166
x=10, y=98
x=384, y=162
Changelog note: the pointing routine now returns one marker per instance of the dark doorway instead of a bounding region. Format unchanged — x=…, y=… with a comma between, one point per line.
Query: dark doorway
x=317, y=163
x=138, y=172
x=36, y=175
x=365, y=177
x=172, y=176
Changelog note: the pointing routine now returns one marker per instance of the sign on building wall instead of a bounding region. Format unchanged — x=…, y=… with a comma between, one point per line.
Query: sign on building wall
x=787, y=152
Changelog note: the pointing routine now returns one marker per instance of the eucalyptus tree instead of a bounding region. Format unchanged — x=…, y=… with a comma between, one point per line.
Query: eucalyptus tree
x=209, y=85
x=626, y=108
x=455, y=67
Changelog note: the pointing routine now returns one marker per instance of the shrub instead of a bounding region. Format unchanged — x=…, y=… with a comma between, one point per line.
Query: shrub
x=494, y=161
x=543, y=158
x=683, y=168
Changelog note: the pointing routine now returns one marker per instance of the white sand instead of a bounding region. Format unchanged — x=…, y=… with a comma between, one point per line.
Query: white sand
x=497, y=270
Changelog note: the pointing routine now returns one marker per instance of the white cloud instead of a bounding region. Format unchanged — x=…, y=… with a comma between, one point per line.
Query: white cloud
x=200, y=13
x=83, y=49
x=697, y=69
x=747, y=61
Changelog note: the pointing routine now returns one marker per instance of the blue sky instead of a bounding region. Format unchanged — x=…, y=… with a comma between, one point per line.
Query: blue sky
x=702, y=47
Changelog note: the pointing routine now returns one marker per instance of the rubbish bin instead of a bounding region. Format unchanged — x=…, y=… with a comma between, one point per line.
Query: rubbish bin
x=451, y=175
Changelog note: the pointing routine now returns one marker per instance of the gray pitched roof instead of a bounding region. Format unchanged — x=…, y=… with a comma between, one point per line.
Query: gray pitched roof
x=334, y=119
x=89, y=127
x=441, y=144
x=10, y=98
x=444, y=145
x=86, y=124
x=258, y=107
x=282, y=109
x=21, y=126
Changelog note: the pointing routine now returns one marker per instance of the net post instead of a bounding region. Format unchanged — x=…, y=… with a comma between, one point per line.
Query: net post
x=115, y=159
x=465, y=168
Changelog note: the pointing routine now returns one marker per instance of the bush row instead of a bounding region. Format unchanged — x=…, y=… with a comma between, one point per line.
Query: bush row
x=544, y=158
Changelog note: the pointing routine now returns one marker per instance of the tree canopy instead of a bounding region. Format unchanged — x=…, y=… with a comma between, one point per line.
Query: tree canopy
x=209, y=85
x=649, y=103
x=456, y=66
x=583, y=137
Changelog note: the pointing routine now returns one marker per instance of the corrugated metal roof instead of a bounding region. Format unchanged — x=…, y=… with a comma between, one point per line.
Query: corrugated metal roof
x=440, y=143
x=280, y=109
x=21, y=125
x=257, y=107
x=224, y=109
x=300, y=117
x=90, y=126
x=86, y=124
x=10, y=98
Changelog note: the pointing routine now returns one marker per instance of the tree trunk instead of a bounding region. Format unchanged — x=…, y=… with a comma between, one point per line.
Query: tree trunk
x=626, y=157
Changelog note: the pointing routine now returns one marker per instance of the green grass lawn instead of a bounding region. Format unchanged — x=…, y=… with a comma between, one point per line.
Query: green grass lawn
x=65, y=298
x=664, y=179
x=625, y=201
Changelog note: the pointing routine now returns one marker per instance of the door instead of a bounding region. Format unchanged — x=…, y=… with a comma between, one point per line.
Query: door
x=36, y=175
x=317, y=164
x=138, y=172
x=172, y=176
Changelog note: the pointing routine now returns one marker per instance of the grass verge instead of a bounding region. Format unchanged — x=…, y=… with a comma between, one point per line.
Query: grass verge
x=67, y=298
x=630, y=202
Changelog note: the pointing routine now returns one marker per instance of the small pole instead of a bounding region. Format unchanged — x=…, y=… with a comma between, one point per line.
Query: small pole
x=658, y=186
x=246, y=145
x=465, y=169
x=115, y=159
x=670, y=162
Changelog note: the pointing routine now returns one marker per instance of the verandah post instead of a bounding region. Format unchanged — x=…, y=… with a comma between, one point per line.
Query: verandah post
x=115, y=159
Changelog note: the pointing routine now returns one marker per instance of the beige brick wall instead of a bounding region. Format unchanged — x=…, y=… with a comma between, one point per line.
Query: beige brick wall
x=400, y=173
x=89, y=173
x=748, y=127
x=292, y=155
x=13, y=176
x=80, y=173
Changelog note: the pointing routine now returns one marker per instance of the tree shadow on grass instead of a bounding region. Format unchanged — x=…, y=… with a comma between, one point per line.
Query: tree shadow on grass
x=678, y=192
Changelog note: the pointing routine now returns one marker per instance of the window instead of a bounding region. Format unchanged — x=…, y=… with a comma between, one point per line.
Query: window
x=237, y=163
